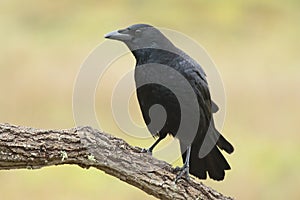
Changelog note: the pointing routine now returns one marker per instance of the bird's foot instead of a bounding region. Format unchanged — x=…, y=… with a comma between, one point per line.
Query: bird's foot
x=148, y=151
x=183, y=171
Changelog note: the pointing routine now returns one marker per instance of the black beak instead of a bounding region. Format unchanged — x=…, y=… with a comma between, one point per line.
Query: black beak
x=117, y=35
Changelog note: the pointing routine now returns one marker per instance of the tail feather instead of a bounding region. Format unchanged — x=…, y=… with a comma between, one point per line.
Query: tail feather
x=224, y=144
x=213, y=163
x=217, y=164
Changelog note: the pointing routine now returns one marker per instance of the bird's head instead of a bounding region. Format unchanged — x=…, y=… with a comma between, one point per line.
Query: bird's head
x=140, y=36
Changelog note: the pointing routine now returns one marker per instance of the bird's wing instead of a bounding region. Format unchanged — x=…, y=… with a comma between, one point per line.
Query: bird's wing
x=195, y=75
x=200, y=85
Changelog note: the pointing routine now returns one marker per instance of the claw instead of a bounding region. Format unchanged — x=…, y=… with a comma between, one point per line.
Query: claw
x=148, y=151
x=177, y=169
x=182, y=171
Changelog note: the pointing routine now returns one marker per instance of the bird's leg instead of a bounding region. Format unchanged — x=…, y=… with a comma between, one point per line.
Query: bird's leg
x=150, y=149
x=184, y=170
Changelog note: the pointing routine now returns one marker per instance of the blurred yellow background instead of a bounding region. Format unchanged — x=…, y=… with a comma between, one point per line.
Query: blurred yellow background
x=255, y=45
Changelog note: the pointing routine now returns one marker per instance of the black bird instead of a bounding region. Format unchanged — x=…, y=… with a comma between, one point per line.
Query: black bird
x=152, y=50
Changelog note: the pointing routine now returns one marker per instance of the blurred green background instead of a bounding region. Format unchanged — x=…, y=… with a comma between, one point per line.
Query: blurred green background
x=255, y=45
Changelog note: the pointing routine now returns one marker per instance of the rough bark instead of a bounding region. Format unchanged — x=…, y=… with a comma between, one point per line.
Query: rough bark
x=22, y=147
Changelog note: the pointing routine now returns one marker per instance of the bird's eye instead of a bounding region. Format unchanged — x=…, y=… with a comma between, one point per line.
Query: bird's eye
x=138, y=32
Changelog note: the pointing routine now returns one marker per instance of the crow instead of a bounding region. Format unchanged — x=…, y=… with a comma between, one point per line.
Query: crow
x=158, y=63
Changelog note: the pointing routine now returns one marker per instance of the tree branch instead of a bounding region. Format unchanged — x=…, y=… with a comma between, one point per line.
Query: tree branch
x=22, y=147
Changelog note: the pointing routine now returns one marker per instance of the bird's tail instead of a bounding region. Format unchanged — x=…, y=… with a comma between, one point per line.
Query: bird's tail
x=224, y=144
x=214, y=164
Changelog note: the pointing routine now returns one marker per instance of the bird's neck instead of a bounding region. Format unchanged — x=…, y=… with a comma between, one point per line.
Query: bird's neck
x=152, y=55
x=142, y=55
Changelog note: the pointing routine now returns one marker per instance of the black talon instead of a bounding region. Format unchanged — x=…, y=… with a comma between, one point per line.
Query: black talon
x=184, y=170
x=177, y=169
x=148, y=151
